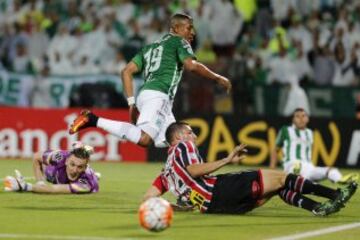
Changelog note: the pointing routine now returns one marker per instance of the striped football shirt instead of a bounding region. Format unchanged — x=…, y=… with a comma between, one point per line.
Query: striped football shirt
x=296, y=143
x=176, y=179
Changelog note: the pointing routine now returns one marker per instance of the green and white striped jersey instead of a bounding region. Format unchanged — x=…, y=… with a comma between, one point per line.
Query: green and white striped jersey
x=296, y=144
x=161, y=63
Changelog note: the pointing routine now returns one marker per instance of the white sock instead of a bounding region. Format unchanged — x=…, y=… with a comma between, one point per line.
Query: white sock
x=334, y=175
x=121, y=129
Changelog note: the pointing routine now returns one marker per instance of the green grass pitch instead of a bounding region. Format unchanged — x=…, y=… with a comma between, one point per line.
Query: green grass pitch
x=112, y=213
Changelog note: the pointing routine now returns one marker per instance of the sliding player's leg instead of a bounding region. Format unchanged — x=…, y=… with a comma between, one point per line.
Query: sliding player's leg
x=291, y=188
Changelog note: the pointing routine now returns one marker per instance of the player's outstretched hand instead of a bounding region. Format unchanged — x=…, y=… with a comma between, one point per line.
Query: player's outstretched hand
x=16, y=183
x=238, y=154
x=225, y=82
x=11, y=184
x=134, y=114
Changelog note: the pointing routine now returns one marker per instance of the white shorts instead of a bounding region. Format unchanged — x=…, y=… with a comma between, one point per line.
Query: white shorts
x=155, y=114
x=307, y=170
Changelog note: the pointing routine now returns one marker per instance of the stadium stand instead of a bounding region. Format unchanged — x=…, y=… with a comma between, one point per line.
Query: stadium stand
x=264, y=43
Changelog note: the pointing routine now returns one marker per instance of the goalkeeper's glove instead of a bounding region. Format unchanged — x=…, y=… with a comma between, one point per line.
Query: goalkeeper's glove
x=17, y=183
x=11, y=184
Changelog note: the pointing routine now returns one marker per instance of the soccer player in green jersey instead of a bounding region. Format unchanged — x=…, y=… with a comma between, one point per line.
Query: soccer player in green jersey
x=296, y=142
x=161, y=64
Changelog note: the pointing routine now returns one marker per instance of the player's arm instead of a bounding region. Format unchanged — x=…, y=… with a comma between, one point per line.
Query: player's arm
x=152, y=192
x=127, y=79
x=51, y=188
x=18, y=184
x=192, y=65
x=41, y=159
x=37, y=166
x=157, y=189
x=81, y=186
x=200, y=169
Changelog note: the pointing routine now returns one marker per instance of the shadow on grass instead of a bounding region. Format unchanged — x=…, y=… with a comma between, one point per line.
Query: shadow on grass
x=247, y=225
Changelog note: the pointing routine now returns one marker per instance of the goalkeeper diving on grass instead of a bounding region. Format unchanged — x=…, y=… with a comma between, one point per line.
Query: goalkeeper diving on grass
x=58, y=171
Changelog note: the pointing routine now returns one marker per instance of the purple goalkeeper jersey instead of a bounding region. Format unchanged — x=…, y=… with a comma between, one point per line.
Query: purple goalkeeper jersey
x=55, y=172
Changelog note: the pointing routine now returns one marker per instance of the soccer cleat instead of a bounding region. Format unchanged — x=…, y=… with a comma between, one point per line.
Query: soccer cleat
x=351, y=177
x=346, y=193
x=82, y=121
x=327, y=208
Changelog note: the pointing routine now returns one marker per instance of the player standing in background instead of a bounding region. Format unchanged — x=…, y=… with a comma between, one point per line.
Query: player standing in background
x=187, y=176
x=162, y=64
x=296, y=142
x=67, y=171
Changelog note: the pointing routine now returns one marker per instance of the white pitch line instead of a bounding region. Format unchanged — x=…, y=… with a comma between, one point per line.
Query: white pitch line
x=318, y=232
x=56, y=237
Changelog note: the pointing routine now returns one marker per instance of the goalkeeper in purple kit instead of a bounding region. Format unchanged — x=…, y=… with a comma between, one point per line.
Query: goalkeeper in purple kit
x=58, y=171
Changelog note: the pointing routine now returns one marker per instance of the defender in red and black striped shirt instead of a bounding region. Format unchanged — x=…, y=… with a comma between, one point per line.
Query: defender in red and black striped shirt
x=176, y=178
x=187, y=176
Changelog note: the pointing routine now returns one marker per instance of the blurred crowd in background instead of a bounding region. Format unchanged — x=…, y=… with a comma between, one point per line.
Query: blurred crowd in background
x=297, y=43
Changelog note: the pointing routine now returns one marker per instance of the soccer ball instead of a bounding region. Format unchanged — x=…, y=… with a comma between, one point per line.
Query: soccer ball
x=155, y=214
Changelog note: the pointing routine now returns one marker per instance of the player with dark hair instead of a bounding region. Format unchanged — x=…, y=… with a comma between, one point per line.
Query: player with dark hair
x=296, y=142
x=66, y=171
x=162, y=64
x=187, y=176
